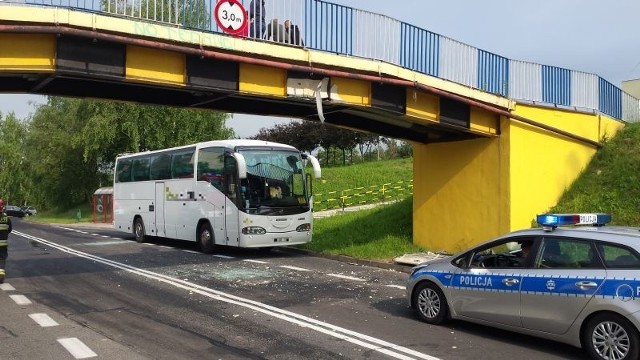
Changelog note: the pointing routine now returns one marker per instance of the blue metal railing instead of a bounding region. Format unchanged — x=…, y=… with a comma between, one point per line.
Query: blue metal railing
x=556, y=85
x=344, y=30
x=419, y=49
x=493, y=73
x=329, y=27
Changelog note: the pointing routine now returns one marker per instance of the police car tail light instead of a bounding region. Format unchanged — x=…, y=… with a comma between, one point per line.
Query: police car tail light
x=551, y=221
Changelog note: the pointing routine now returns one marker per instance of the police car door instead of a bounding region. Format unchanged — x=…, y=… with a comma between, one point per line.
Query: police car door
x=489, y=288
x=566, y=274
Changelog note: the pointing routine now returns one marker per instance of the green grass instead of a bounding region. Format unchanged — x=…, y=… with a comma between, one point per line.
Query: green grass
x=363, y=183
x=64, y=216
x=363, y=174
x=611, y=181
x=381, y=233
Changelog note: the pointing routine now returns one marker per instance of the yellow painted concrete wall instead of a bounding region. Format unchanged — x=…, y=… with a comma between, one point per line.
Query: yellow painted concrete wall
x=27, y=52
x=460, y=193
x=156, y=66
x=350, y=91
x=423, y=107
x=263, y=80
x=468, y=192
x=484, y=122
x=543, y=164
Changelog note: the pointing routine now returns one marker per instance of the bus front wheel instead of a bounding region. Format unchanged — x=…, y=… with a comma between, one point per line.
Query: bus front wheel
x=138, y=230
x=205, y=238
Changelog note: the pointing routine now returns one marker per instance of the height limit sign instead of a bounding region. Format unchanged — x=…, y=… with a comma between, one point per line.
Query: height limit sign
x=231, y=16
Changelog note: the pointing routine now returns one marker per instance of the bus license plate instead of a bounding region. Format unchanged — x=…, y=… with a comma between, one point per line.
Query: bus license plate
x=282, y=239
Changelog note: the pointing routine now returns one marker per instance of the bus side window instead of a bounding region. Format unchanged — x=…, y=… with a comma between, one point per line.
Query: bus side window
x=211, y=167
x=182, y=164
x=123, y=170
x=160, y=167
x=141, y=169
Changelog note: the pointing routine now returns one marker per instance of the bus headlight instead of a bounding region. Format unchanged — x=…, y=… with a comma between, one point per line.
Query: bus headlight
x=254, y=230
x=304, y=227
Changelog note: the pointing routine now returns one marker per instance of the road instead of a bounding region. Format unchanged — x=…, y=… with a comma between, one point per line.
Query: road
x=111, y=297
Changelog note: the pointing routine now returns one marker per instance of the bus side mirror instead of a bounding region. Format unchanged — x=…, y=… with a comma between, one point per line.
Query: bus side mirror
x=317, y=173
x=242, y=165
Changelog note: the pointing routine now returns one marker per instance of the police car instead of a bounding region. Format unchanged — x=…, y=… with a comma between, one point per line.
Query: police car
x=577, y=285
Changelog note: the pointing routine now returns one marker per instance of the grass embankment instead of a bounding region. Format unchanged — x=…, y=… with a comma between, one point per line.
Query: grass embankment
x=365, y=183
x=363, y=174
x=381, y=233
x=611, y=181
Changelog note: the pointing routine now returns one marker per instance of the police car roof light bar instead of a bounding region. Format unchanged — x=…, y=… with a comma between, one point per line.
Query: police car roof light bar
x=552, y=221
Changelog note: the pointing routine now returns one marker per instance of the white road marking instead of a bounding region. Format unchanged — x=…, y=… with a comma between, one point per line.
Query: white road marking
x=224, y=256
x=396, y=286
x=192, y=251
x=95, y=234
x=366, y=341
x=150, y=244
x=6, y=287
x=43, y=319
x=20, y=299
x=346, y=277
x=77, y=348
x=114, y=242
x=255, y=261
x=105, y=236
x=294, y=268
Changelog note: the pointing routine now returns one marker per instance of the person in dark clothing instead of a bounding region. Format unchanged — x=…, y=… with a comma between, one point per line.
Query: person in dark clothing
x=292, y=34
x=257, y=20
x=5, y=229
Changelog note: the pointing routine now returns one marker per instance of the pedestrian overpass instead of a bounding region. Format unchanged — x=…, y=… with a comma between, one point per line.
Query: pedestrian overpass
x=495, y=140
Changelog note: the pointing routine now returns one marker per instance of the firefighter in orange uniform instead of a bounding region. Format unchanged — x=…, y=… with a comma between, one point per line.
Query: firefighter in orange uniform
x=5, y=229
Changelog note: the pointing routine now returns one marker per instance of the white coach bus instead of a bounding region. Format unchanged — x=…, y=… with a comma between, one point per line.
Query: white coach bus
x=244, y=193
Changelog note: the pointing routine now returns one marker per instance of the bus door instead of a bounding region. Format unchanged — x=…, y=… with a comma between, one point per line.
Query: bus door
x=159, y=210
x=231, y=183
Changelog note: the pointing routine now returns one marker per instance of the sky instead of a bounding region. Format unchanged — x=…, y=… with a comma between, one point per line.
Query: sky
x=594, y=36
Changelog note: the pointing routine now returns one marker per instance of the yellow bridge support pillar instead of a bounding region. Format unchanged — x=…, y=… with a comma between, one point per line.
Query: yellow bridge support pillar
x=470, y=191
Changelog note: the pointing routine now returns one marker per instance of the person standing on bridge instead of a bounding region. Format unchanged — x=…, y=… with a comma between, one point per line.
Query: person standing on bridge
x=292, y=34
x=257, y=19
x=275, y=31
x=5, y=229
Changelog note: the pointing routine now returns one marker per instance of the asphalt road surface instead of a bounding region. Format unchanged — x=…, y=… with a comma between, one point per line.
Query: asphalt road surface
x=73, y=294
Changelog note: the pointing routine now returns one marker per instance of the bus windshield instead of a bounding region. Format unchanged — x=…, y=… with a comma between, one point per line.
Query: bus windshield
x=275, y=178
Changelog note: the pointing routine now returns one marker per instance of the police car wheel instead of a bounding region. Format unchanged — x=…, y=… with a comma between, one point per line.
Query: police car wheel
x=611, y=336
x=205, y=238
x=138, y=230
x=431, y=304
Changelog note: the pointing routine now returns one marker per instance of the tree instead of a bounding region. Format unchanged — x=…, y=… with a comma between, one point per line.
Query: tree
x=304, y=135
x=74, y=142
x=14, y=177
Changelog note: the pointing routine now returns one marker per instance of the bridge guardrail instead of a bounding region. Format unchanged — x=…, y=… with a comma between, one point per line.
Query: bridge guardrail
x=344, y=30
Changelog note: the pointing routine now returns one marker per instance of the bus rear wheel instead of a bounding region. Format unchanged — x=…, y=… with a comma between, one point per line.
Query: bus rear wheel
x=205, y=238
x=138, y=230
